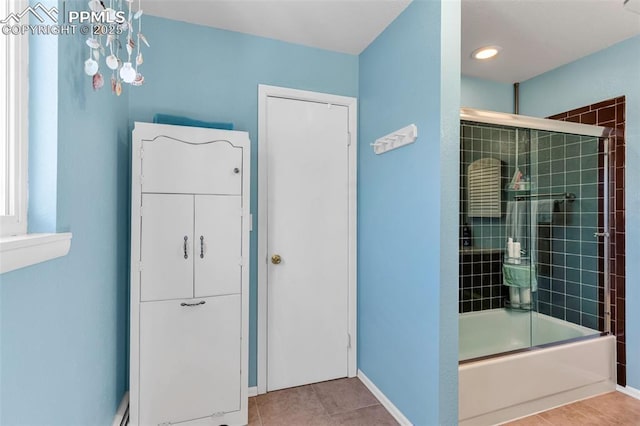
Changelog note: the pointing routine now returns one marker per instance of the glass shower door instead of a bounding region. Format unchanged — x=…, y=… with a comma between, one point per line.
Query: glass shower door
x=489, y=323
x=568, y=211
x=533, y=270
x=518, y=268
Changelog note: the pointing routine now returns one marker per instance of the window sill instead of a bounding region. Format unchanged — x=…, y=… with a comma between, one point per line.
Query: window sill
x=26, y=250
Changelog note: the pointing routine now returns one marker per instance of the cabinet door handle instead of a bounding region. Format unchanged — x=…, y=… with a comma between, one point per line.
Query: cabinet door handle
x=201, y=247
x=202, y=302
x=186, y=256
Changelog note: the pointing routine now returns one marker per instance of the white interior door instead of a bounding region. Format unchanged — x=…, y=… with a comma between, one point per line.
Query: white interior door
x=308, y=227
x=166, y=247
x=218, y=245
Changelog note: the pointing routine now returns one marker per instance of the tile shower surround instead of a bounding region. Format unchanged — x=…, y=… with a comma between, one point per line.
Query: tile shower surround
x=562, y=297
x=481, y=281
x=569, y=259
x=611, y=113
x=568, y=255
x=480, y=269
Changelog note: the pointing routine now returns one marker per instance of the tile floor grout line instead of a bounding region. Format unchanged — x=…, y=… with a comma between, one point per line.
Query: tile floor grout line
x=315, y=391
x=607, y=415
x=544, y=420
x=258, y=411
x=356, y=409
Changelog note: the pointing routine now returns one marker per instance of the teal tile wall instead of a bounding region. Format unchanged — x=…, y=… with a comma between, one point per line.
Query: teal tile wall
x=481, y=141
x=569, y=256
x=480, y=282
x=609, y=113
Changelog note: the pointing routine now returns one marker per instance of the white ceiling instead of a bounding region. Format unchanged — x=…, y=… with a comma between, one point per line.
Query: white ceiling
x=535, y=35
x=539, y=35
x=347, y=26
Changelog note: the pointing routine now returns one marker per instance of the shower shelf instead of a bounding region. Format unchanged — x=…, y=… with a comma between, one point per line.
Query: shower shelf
x=510, y=188
x=519, y=261
x=527, y=308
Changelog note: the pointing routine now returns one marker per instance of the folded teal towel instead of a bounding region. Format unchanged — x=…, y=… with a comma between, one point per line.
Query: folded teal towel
x=521, y=276
x=184, y=121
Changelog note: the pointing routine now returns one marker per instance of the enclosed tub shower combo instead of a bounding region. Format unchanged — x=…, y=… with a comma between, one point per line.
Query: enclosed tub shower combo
x=534, y=258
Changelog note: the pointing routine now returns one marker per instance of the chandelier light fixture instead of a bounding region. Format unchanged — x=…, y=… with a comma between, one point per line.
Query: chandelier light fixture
x=113, y=42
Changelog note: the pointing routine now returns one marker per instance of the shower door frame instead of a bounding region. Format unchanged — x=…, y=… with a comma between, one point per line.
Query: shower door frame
x=544, y=124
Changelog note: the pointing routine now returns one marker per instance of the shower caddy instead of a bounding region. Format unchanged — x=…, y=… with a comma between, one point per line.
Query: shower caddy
x=190, y=226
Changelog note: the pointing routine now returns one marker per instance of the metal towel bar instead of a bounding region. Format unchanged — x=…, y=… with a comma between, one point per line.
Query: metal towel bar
x=569, y=196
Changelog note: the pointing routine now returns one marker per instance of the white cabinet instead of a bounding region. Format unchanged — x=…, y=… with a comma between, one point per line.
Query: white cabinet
x=207, y=168
x=218, y=243
x=183, y=344
x=190, y=246
x=165, y=259
x=189, y=276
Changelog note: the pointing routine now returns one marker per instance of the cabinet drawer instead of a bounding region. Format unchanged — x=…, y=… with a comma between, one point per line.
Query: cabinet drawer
x=173, y=166
x=189, y=359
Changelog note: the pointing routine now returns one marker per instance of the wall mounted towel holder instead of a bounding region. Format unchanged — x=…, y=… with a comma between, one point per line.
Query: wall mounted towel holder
x=396, y=139
x=569, y=196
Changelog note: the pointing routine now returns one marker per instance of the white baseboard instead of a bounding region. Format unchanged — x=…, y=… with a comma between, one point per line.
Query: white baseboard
x=253, y=391
x=121, y=417
x=386, y=403
x=632, y=392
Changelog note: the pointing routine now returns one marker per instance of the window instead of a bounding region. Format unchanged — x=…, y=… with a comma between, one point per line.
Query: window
x=17, y=248
x=13, y=128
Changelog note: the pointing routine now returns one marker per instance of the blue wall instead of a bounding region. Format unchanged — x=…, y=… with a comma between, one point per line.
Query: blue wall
x=221, y=71
x=606, y=74
x=407, y=271
x=450, y=93
x=485, y=94
x=63, y=322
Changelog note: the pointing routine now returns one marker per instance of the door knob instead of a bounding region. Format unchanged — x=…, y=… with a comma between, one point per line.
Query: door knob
x=276, y=259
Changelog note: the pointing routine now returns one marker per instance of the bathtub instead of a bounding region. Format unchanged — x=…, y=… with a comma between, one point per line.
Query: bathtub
x=503, y=330
x=510, y=386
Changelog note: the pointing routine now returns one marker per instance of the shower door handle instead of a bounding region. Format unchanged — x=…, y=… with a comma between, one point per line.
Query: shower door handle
x=601, y=234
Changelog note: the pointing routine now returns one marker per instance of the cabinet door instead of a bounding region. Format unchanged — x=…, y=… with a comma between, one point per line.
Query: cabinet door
x=189, y=359
x=175, y=166
x=166, y=273
x=218, y=245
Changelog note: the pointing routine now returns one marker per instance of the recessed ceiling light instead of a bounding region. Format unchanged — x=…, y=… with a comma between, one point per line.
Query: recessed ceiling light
x=486, y=52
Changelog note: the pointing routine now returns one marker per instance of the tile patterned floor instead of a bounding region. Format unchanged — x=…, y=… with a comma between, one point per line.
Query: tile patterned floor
x=342, y=402
x=612, y=409
x=347, y=402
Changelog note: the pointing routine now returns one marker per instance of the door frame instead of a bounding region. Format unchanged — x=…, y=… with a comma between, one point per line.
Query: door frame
x=264, y=92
